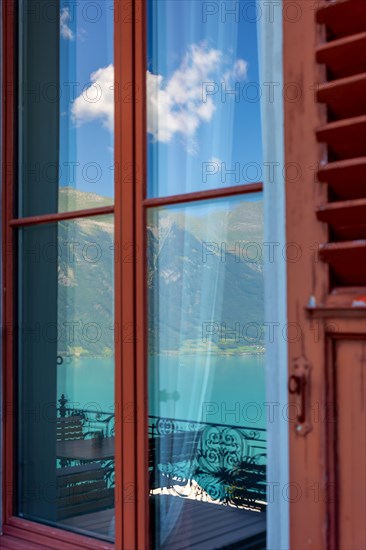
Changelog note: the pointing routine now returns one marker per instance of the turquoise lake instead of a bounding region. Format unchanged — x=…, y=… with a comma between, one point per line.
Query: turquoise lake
x=206, y=388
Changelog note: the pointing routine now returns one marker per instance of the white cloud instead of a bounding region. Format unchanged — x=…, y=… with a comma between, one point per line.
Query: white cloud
x=238, y=72
x=81, y=34
x=176, y=106
x=240, y=69
x=65, y=30
x=97, y=100
x=192, y=147
x=217, y=161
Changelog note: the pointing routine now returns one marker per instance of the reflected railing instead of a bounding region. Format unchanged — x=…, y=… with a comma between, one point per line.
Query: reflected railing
x=94, y=420
x=95, y=425
x=220, y=463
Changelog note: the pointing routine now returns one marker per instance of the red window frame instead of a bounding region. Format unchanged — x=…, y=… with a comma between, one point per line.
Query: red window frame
x=131, y=468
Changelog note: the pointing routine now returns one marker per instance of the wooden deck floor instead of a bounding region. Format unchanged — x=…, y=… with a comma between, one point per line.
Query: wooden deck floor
x=97, y=522
x=207, y=526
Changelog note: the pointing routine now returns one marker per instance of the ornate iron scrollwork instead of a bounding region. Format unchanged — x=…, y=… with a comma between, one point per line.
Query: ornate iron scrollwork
x=223, y=463
x=217, y=462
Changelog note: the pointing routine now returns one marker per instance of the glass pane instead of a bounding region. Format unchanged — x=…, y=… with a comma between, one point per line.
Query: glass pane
x=66, y=375
x=203, y=95
x=207, y=429
x=66, y=105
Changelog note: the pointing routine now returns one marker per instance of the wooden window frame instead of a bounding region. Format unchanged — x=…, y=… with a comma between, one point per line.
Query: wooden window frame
x=130, y=206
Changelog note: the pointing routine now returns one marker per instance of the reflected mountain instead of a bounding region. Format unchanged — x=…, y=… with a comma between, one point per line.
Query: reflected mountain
x=197, y=279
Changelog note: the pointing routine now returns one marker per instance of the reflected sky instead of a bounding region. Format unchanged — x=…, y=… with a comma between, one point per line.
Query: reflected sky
x=203, y=96
x=87, y=96
x=202, y=89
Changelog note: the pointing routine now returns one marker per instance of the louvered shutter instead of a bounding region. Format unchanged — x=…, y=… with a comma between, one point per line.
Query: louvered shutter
x=343, y=92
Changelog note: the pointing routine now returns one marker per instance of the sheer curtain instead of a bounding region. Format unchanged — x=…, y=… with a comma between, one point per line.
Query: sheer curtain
x=204, y=132
x=270, y=47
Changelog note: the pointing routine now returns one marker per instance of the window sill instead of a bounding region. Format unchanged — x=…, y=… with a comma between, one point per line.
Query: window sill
x=20, y=533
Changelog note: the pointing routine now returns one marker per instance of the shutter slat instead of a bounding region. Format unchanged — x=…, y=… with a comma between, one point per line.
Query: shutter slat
x=347, y=218
x=344, y=57
x=347, y=261
x=346, y=138
x=342, y=18
x=344, y=97
x=345, y=178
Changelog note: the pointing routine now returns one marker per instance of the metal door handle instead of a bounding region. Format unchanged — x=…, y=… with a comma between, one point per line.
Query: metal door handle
x=299, y=385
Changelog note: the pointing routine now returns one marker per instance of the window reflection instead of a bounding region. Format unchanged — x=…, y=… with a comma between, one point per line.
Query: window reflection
x=203, y=96
x=207, y=429
x=67, y=105
x=66, y=383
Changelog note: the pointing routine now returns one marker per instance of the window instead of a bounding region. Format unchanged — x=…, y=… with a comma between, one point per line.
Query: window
x=65, y=238
x=137, y=284
x=207, y=424
x=205, y=323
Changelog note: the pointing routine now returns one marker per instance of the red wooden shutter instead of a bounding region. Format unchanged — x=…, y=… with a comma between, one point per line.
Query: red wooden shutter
x=343, y=93
x=328, y=126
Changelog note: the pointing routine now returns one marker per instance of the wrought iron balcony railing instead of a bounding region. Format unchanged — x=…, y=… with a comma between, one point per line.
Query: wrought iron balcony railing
x=93, y=419
x=218, y=462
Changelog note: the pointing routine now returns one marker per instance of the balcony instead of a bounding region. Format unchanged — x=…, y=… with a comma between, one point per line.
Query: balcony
x=204, y=464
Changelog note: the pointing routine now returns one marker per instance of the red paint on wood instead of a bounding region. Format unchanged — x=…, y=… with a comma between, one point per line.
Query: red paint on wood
x=204, y=195
x=62, y=216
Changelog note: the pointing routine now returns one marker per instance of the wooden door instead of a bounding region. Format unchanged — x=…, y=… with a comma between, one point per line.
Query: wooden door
x=349, y=378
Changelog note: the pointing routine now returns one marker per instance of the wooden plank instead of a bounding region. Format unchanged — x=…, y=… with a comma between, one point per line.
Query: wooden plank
x=350, y=381
x=90, y=525
x=344, y=57
x=141, y=489
x=15, y=543
x=346, y=178
x=336, y=16
x=62, y=216
x=206, y=525
x=81, y=489
x=98, y=521
x=84, y=472
x=85, y=507
x=126, y=330
x=348, y=261
x=91, y=496
x=52, y=537
x=346, y=138
x=84, y=449
x=38, y=539
x=347, y=218
x=9, y=127
x=211, y=523
x=204, y=195
x=344, y=97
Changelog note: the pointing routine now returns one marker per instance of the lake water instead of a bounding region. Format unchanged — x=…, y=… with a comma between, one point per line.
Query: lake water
x=218, y=389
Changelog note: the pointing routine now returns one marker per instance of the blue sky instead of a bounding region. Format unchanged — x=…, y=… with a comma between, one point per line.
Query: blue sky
x=86, y=136
x=196, y=133
x=182, y=37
